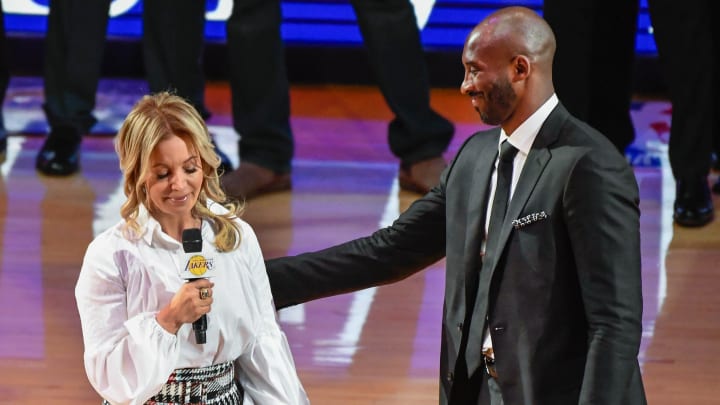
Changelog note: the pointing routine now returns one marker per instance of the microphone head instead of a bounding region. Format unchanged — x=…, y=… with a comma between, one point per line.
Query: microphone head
x=192, y=240
x=199, y=264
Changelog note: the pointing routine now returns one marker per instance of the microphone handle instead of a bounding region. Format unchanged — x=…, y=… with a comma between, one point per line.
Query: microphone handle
x=199, y=327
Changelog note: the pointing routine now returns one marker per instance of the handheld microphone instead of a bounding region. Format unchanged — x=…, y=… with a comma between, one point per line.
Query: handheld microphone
x=196, y=268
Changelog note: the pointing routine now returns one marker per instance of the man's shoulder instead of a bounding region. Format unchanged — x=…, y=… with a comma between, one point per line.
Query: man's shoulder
x=481, y=139
x=578, y=137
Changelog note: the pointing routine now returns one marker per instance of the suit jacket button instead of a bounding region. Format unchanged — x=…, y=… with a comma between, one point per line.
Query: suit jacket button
x=450, y=376
x=460, y=327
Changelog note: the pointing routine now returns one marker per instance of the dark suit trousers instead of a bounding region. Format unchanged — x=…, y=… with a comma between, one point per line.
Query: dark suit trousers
x=686, y=35
x=4, y=71
x=74, y=45
x=173, y=43
x=73, y=54
x=479, y=389
x=593, y=66
x=261, y=105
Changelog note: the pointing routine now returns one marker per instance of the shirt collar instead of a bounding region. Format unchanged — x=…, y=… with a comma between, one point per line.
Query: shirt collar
x=153, y=235
x=524, y=136
x=152, y=232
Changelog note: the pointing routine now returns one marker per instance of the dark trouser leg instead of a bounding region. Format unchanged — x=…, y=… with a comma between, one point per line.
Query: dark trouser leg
x=173, y=41
x=593, y=65
x=259, y=84
x=469, y=390
x=493, y=389
x=4, y=82
x=684, y=42
x=73, y=55
x=572, y=65
x=391, y=36
x=716, y=90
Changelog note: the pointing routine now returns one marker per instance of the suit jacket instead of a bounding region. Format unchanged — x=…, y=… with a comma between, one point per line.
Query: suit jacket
x=564, y=305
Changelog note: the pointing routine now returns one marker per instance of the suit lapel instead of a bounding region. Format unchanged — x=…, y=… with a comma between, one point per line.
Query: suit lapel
x=535, y=164
x=477, y=198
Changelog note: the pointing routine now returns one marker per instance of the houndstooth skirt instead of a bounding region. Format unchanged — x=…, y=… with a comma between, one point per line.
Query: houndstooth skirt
x=212, y=385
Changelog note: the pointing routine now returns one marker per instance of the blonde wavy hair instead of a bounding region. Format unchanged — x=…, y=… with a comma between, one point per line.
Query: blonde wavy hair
x=154, y=118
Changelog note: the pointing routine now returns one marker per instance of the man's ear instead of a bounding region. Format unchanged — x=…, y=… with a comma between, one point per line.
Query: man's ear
x=521, y=67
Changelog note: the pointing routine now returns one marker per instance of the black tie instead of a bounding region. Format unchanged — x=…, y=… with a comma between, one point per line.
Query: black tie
x=502, y=193
x=497, y=217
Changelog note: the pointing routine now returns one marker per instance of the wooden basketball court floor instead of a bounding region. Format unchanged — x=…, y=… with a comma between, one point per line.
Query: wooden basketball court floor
x=377, y=346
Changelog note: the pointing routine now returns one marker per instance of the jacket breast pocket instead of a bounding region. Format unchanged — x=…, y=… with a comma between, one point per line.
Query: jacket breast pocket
x=534, y=242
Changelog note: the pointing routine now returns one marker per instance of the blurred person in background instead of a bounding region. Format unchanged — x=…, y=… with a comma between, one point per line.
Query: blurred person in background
x=173, y=41
x=417, y=135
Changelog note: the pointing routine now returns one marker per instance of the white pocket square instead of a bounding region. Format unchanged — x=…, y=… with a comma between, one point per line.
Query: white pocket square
x=528, y=219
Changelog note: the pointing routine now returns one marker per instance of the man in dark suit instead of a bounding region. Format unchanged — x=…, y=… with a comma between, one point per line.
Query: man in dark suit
x=547, y=309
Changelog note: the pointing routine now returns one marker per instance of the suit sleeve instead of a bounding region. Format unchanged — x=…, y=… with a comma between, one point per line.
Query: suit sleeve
x=414, y=241
x=602, y=214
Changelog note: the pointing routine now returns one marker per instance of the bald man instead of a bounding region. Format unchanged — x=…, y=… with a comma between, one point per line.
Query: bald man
x=545, y=310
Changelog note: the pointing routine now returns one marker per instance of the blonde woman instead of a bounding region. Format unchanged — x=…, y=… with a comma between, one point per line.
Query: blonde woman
x=135, y=306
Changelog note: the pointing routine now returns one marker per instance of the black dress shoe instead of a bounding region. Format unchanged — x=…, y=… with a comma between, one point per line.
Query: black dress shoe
x=693, y=203
x=60, y=154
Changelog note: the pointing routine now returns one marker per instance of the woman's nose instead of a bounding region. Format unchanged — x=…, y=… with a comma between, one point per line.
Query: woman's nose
x=176, y=181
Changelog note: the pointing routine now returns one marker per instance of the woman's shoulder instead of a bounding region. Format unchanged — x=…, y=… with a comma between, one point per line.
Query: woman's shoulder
x=116, y=237
x=102, y=252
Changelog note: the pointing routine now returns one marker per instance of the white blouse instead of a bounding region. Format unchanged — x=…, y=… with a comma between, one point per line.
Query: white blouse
x=123, y=284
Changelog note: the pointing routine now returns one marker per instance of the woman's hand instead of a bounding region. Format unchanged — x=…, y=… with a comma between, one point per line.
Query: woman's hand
x=192, y=300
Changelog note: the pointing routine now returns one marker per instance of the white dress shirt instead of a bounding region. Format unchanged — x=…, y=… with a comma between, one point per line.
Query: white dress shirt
x=125, y=281
x=522, y=139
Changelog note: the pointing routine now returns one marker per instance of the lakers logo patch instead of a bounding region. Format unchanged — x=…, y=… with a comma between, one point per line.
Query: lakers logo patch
x=198, y=265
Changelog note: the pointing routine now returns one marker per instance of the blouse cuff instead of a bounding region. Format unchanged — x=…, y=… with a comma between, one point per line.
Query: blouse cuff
x=144, y=327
